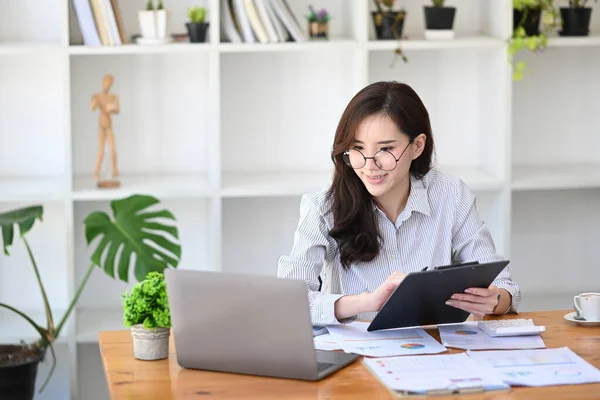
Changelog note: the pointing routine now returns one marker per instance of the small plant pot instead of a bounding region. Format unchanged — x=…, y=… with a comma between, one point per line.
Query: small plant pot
x=318, y=30
x=17, y=380
x=576, y=21
x=531, y=22
x=162, y=19
x=439, y=22
x=147, y=21
x=197, y=32
x=150, y=344
x=388, y=25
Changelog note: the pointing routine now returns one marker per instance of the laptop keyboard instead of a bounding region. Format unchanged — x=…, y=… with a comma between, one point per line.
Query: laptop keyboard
x=322, y=366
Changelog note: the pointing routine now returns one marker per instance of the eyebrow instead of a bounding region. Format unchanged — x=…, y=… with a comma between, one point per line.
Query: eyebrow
x=381, y=142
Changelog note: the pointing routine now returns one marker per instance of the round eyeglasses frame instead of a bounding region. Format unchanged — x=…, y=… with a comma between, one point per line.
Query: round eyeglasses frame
x=346, y=157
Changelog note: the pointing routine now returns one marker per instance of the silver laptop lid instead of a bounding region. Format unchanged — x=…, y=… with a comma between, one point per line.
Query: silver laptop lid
x=240, y=323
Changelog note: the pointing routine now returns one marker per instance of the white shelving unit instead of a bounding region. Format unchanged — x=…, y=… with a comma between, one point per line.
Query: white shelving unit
x=229, y=136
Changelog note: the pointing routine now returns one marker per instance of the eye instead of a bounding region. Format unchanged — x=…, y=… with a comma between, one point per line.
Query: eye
x=358, y=148
x=386, y=148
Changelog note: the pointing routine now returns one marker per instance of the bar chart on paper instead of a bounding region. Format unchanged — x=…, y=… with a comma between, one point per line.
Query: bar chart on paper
x=354, y=338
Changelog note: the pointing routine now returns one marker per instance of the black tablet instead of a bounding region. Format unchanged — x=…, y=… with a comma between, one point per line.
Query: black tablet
x=421, y=297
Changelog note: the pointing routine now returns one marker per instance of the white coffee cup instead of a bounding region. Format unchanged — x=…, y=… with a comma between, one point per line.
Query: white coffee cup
x=588, y=306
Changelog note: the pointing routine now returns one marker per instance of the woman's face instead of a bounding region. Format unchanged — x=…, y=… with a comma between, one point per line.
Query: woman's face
x=378, y=136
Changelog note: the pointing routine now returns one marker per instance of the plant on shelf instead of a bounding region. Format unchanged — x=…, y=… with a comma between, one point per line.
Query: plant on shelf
x=576, y=18
x=439, y=20
x=389, y=24
x=146, y=312
x=134, y=231
x=197, y=26
x=528, y=15
x=318, y=23
x=153, y=21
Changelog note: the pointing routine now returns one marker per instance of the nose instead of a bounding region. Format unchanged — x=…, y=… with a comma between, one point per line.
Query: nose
x=370, y=165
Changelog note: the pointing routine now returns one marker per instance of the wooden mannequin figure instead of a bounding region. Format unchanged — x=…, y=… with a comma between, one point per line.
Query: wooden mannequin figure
x=108, y=104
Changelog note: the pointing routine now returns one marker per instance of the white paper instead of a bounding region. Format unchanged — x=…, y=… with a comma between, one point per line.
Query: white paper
x=543, y=367
x=447, y=372
x=326, y=342
x=469, y=337
x=354, y=338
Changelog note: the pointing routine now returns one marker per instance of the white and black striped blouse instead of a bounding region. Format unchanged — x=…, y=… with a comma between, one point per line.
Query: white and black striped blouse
x=440, y=218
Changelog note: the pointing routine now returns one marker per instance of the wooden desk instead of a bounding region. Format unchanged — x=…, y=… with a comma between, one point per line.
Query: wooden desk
x=129, y=378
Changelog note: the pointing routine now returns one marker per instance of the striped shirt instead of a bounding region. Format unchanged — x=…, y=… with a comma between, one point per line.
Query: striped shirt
x=440, y=219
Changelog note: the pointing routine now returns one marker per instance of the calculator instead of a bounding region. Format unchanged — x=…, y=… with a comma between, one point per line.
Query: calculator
x=511, y=327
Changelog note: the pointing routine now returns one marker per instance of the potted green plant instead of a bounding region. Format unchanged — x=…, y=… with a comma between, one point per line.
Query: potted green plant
x=389, y=24
x=162, y=20
x=134, y=231
x=147, y=21
x=439, y=20
x=318, y=23
x=197, y=26
x=146, y=312
x=527, y=34
x=576, y=18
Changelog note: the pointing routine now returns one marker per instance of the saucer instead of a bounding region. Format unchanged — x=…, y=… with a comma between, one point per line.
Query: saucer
x=570, y=316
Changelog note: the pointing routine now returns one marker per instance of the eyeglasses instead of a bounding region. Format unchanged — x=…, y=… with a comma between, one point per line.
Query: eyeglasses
x=383, y=159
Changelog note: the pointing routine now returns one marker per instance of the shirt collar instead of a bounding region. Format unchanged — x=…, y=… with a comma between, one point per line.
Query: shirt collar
x=417, y=199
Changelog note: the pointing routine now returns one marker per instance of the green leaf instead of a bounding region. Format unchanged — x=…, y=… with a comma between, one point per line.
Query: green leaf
x=520, y=32
x=147, y=303
x=532, y=43
x=517, y=75
x=133, y=232
x=24, y=217
x=520, y=66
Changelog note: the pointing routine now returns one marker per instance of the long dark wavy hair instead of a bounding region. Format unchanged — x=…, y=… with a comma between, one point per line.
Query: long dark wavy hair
x=355, y=228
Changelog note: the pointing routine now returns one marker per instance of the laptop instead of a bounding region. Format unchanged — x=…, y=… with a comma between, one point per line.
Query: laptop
x=246, y=324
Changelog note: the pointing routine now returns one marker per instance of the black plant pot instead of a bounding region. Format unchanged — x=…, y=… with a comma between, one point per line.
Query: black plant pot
x=532, y=20
x=17, y=382
x=439, y=18
x=388, y=25
x=576, y=21
x=197, y=32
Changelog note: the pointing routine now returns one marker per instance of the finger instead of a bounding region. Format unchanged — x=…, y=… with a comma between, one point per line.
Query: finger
x=398, y=274
x=472, y=311
x=474, y=308
x=473, y=299
x=480, y=291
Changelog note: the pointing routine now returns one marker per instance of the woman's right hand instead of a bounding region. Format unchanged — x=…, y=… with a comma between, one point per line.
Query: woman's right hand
x=379, y=296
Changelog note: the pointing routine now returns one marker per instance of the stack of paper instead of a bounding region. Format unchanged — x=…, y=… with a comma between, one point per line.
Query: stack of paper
x=469, y=337
x=439, y=374
x=354, y=338
x=544, y=367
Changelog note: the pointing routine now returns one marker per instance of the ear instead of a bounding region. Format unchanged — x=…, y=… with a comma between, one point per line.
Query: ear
x=419, y=145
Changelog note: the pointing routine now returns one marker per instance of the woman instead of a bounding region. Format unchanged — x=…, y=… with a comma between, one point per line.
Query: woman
x=386, y=214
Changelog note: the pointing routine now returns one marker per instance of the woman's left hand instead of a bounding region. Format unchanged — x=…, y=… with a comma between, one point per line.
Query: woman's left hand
x=477, y=301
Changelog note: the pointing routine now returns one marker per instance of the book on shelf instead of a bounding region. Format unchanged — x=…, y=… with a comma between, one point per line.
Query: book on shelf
x=100, y=21
x=259, y=21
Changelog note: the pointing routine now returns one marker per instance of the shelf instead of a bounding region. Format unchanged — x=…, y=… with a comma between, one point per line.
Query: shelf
x=163, y=186
x=288, y=46
x=269, y=184
x=140, y=49
x=420, y=43
x=31, y=189
x=574, y=41
x=90, y=322
x=556, y=177
x=14, y=328
x=16, y=48
x=476, y=178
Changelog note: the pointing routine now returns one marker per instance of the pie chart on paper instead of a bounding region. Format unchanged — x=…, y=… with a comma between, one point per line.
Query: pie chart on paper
x=412, y=346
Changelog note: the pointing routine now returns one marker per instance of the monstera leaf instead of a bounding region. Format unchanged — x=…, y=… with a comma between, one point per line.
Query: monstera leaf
x=136, y=232
x=24, y=217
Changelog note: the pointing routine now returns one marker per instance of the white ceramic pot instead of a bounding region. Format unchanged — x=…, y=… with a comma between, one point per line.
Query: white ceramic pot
x=150, y=344
x=147, y=20
x=162, y=19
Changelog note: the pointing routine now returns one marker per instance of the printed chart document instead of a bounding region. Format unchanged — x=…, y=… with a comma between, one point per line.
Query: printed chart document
x=543, y=367
x=354, y=338
x=326, y=342
x=435, y=374
x=469, y=337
